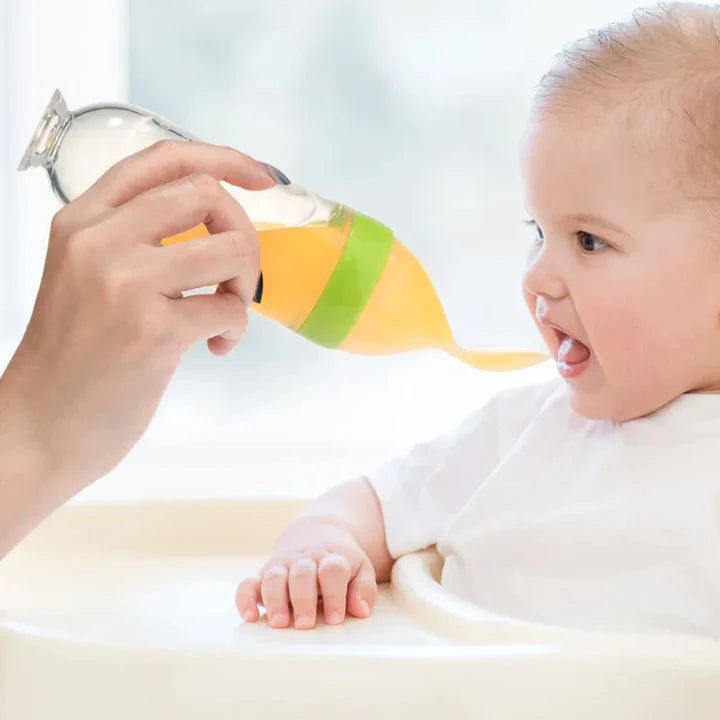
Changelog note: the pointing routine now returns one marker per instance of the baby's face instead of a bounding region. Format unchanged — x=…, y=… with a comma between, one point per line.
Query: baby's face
x=639, y=284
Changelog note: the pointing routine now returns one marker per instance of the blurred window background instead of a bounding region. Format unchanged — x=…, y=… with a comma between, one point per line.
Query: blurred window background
x=410, y=111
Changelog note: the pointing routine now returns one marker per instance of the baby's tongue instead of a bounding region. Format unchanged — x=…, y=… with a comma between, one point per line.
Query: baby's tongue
x=573, y=351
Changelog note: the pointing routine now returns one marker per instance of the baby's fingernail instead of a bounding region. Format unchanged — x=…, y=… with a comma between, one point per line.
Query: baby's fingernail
x=303, y=621
x=364, y=608
x=334, y=618
x=278, y=619
x=248, y=615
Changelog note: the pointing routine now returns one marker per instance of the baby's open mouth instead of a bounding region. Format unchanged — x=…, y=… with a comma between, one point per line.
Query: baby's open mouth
x=571, y=350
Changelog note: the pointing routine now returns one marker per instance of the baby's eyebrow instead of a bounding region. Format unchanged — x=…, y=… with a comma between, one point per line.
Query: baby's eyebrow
x=597, y=220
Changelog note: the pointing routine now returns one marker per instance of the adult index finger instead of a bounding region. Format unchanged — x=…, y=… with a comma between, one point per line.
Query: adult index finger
x=169, y=160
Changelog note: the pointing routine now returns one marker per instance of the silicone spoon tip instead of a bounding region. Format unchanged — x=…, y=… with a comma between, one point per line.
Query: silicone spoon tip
x=497, y=358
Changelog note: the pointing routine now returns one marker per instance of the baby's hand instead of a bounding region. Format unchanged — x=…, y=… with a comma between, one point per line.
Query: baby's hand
x=313, y=561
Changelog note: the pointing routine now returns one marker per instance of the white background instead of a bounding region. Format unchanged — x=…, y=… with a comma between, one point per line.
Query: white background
x=410, y=111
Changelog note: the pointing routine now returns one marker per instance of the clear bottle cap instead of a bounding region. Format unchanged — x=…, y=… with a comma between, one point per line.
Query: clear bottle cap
x=47, y=133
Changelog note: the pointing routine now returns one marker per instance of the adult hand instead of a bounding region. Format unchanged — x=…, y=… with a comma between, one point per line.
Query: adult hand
x=110, y=324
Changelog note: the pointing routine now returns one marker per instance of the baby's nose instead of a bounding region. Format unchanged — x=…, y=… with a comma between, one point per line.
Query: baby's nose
x=542, y=277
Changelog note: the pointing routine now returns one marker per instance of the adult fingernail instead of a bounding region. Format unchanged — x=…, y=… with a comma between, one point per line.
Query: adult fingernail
x=277, y=175
x=259, y=289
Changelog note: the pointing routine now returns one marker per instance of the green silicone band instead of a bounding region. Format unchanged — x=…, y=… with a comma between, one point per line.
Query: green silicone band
x=351, y=284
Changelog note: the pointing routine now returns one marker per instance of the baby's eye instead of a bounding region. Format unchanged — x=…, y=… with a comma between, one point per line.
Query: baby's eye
x=587, y=240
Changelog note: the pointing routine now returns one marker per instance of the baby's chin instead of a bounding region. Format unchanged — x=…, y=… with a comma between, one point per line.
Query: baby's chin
x=593, y=410
x=614, y=406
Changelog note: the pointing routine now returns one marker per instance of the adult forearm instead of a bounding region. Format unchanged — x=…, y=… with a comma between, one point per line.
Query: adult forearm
x=27, y=491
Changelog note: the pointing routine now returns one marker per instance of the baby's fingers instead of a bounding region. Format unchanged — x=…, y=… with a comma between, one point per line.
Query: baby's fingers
x=362, y=591
x=274, y=593
x=247, y=597
x=303, y=592
x=333, y=576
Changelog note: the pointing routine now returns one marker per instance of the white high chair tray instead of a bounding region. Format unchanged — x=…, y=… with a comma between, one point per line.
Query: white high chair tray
x=118, y=610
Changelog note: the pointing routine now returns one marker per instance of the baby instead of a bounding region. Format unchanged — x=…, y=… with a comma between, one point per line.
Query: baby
x=592, y=500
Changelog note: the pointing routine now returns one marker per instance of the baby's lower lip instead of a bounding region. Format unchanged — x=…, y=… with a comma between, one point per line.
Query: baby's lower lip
x=570, y=370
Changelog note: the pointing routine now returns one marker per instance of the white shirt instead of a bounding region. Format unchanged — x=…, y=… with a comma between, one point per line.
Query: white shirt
x=545, y=515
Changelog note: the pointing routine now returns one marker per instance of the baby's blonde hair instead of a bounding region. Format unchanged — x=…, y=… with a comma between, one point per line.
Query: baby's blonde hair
x=666, y=59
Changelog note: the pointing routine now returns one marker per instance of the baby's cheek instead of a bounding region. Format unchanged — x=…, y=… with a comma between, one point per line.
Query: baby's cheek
x=637, y=353
x=619, y=336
